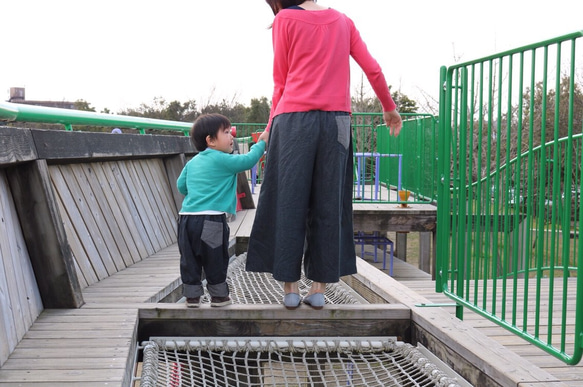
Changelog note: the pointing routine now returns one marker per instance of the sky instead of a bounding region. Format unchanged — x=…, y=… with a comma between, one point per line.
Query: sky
x=119, y=54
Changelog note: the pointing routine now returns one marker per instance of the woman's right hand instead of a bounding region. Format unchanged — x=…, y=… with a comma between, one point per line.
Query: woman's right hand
x=264, y=136
x=393, y=120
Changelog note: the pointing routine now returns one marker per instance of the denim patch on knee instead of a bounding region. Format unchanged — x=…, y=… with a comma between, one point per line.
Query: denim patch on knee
x=212, y=233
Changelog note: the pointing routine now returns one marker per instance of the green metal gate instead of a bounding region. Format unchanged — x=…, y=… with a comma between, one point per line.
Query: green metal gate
x=509, y=219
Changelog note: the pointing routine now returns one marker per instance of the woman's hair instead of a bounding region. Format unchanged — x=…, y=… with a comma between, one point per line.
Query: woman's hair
x=207, y=125
x=278, y=5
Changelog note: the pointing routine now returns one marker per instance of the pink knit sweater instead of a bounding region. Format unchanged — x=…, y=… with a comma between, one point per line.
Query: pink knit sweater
x=311, y=69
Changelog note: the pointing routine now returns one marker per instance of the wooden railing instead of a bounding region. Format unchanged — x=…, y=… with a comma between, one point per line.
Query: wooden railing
x=77, y=207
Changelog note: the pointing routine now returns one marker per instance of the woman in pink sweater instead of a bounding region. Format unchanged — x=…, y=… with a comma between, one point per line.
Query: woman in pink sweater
x=305, y=203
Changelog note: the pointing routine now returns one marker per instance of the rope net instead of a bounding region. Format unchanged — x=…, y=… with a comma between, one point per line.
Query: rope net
x=221, y=361
x=260, y=288
x=280, y=361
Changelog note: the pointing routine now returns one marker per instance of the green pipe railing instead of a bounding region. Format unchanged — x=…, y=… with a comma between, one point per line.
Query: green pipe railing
x=67, y=117
x=511, y=168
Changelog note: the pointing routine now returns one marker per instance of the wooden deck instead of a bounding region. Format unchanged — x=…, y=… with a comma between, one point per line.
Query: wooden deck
x=93, y=345
x=425, y=287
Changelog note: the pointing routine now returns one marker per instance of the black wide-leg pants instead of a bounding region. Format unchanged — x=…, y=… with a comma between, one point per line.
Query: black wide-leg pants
x=305, y=202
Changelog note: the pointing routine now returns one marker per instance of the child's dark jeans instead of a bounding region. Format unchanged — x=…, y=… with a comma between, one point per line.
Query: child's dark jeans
x=203, y=241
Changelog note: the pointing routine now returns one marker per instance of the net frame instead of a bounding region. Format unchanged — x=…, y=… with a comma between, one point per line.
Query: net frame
x=288, y=361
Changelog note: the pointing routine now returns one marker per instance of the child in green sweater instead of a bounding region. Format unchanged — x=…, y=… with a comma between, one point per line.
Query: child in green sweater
x=209, y=183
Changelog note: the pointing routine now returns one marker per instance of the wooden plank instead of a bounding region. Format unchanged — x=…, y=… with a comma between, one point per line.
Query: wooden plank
x=116, y=288
x=159, y=187
x=149, y=201
x=47, y=313
x=90, y=330
x=59, y=343
x=235, y=223
x=110, y=209
x=95, y=219
x=112, y=317
x=8, y=331
x=78, y=364
x=85, y=273
x=127, y=193
x=57, y=384
x=9, y=286
x=121, y=212
x=174, y=167
x=25, y=354
x=59, y=176
x=25, y=293
x=164, y=190
x=62, y=376
x=143, y=213
x=244, y=231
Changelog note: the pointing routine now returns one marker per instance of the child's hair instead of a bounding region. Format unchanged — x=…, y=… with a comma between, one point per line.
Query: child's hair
x=207, y=125
x=278, y=5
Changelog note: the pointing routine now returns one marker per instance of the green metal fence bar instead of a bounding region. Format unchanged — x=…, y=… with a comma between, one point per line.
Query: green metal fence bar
x=246, y=129
x=417, y=145
x=407, y=162
x=510, y=173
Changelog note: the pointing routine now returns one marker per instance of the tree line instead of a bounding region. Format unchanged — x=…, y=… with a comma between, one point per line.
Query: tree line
x=257, y=111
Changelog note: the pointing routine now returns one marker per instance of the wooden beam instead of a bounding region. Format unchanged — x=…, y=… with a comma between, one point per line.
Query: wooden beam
x=370, y=217
x=63, y=146
x=16, y=145
x=274, y=320
x=45, y=236
x=384, y=217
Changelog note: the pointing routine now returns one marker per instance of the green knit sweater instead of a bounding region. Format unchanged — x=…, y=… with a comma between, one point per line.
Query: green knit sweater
x=209, y=179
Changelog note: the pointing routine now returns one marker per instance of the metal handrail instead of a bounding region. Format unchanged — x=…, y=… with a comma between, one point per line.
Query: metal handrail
x=67, y=117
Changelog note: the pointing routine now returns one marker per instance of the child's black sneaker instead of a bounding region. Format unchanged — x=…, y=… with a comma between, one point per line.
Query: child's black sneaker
x=220, y=301
x=193, y=302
